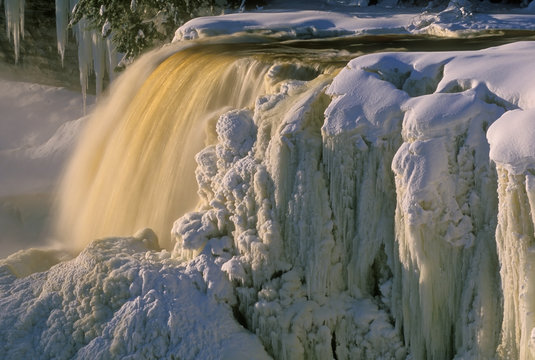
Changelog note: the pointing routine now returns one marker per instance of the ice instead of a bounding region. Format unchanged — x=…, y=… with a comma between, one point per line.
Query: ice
x=14, y=10
x=96, y=52
x=119, y=297
x=358, y=213
x=413, y=249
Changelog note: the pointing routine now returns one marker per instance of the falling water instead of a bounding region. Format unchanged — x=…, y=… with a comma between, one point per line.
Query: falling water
x=323, y=220
x=134, y=167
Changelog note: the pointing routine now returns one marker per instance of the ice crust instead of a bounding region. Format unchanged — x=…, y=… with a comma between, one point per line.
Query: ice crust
x=358, y=215
x=120, y=297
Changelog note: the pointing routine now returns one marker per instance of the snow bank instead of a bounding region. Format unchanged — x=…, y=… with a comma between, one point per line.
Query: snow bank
x=454, y=21
x=121, y=297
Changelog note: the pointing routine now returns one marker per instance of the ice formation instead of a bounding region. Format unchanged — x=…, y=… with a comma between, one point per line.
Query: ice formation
x=119, y=298
x=335, y=255
x=353, y=213
x=14, y=10
x=96, y=54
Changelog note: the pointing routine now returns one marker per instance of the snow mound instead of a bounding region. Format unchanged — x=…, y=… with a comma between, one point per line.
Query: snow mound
x=120, y=297
x=511, y=141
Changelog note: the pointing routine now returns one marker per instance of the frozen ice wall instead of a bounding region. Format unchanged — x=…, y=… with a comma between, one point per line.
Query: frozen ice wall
x=511, y=140
x=362, y=213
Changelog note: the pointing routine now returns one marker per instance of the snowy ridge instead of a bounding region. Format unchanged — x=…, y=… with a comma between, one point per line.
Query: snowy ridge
x=456, y=20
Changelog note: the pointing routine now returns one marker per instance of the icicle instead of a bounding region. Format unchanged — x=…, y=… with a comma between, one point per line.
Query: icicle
x=99, y=60
x=112, y=58
x=14, y=10
x=62, y=21
x=96, y=53
x=85, y=57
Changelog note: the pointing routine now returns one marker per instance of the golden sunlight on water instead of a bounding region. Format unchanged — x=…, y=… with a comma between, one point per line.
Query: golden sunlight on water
x=135, y=165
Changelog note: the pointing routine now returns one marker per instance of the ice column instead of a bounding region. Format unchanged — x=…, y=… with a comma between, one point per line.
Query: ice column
x=444, y=226
x=512, y=149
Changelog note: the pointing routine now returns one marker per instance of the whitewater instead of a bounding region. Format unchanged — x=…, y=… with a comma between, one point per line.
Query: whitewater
x=264, y=196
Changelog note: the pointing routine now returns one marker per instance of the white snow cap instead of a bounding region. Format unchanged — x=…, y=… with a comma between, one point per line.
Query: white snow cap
x=511, y=140
x=454, y=21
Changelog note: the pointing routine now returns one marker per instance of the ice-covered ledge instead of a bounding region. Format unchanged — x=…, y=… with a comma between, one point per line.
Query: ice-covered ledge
x=512, y=141
x=456, y=20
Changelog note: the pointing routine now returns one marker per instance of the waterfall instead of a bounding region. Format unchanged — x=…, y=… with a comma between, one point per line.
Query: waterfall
x=134, y=166
x=352, y=212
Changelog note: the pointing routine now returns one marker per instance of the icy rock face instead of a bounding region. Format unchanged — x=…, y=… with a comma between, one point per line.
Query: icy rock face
x=511, y=141
x=120, y=298
x=362, y=219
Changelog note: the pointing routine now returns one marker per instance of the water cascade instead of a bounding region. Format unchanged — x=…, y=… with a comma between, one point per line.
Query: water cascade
x=135, y=164
x=346, y=212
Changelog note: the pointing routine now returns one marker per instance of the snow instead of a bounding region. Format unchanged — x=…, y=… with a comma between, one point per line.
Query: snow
x=351, y=213
x=511, y=140
x=120, y=297
x=454, y=21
